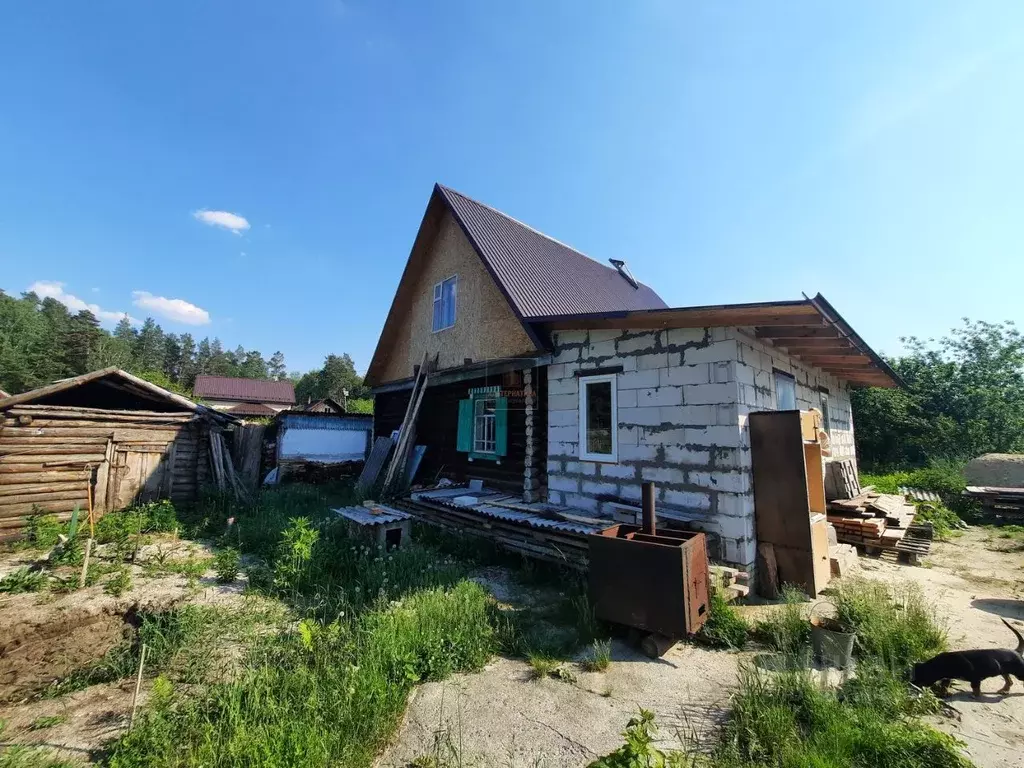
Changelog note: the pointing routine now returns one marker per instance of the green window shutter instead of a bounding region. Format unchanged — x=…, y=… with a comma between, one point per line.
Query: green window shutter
x=464, y=442
x=501, y=426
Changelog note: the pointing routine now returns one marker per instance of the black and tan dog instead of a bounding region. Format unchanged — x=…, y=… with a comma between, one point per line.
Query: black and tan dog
x=973, y=666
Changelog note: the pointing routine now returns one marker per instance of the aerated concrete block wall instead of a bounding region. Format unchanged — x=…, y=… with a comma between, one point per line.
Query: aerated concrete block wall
x=678, y=425
x=683, y=400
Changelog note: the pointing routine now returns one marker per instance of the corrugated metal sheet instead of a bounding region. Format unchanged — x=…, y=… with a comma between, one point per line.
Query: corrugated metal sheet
x=295, y=419
x=919, y=495
x=444, y=496
x=543, y=277
x=249, y=390
x=366, y=516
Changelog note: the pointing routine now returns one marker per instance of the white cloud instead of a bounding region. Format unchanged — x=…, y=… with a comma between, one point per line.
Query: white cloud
x=226, y=220
x=177, y=310
x=55, y=290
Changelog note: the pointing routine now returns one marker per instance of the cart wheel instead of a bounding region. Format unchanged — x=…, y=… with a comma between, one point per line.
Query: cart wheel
x=655, y=646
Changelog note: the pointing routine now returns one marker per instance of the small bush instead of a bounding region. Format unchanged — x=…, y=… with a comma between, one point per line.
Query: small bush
x=542, y=666
x=724, y=627
x=600, y=657
x=22, y=580
x=226, y=563
x=120, y=583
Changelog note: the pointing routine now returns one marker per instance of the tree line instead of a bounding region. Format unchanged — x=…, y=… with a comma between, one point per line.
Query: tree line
x=41, y=341
x=964, y=396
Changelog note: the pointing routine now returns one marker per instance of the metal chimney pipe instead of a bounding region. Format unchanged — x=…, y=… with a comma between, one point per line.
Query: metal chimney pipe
x=647, y=506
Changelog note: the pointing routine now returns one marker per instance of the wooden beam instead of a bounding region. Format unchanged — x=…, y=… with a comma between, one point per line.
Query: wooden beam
x=791, y=332
x=828, y=343
x=845, y=361
x=684, y=319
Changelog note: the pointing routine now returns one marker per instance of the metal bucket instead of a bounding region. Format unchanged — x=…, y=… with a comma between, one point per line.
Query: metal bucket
x=832, y=642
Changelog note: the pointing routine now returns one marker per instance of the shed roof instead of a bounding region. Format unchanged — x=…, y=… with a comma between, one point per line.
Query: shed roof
x=245, y=390
x=251, y=409
x=810, y=330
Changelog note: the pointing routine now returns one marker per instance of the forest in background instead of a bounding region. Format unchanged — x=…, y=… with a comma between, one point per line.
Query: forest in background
x=42, y=341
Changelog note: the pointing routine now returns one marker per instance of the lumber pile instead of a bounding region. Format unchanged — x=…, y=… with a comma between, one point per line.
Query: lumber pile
x=1000, y=501
x=876, y=522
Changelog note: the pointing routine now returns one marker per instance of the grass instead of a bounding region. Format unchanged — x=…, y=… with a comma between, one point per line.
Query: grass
x=120, y=583
x=225, y=564
x=47, y=721
x=724, y=627
x=16, y=756
x=790, y=719
x=600, y=657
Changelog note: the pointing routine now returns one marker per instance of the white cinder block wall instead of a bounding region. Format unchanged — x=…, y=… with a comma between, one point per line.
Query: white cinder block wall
x=683, y=400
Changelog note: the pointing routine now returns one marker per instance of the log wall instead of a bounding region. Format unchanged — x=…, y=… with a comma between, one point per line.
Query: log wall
x=50, y=457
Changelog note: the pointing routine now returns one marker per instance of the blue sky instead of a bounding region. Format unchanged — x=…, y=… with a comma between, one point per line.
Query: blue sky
x=730, y=152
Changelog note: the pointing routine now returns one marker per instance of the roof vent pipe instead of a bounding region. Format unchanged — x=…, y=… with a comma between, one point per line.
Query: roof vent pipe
x=623, y=270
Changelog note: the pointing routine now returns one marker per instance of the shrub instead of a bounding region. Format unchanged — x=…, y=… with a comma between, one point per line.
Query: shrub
x=225, y=563
x=724, y=627
x=639, y=750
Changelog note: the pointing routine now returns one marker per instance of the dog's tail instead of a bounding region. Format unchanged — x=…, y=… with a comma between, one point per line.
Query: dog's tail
x=1020, y=638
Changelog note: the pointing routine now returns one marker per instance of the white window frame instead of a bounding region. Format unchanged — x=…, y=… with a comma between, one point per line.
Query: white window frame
x=825, y=406
x=776, y=375
x=584, y=454
x=485, y=427
x=439, y=300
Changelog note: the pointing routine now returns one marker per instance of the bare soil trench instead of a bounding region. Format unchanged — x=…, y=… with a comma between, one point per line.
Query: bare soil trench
x=44, y=637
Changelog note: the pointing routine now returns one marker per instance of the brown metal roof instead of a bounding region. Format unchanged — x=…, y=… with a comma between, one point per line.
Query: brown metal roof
x=246, y=390
x=810, y=330
x=540, y=276
x=252, y=409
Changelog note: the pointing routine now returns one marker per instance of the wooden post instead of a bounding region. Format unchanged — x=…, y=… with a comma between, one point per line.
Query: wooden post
x=138, y=685
x=647, y=506
x=85, y=563
x=92, y=522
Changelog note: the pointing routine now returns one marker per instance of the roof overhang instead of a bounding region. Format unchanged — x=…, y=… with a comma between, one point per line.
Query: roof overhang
x=478, y=370
x=810, y=330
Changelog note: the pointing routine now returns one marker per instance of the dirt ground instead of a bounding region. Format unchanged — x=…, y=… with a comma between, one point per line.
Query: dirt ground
x=503, y=716
x=45, y=636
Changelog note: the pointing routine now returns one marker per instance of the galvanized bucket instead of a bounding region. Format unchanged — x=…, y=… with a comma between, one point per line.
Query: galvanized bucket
x=832, y=641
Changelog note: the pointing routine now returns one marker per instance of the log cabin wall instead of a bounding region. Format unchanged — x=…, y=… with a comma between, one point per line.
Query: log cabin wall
x=50, y=456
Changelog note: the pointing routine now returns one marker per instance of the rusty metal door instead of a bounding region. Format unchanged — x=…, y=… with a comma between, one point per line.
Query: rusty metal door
x=696, y=591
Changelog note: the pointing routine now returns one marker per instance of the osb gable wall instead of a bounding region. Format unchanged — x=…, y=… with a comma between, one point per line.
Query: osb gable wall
x=485, y=326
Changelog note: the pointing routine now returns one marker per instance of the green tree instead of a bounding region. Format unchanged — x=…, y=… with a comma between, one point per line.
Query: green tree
x=82, y=343
x=276, y=366
x=964, y=396
x=149, y=347
x=187, y=370
x=337, y=377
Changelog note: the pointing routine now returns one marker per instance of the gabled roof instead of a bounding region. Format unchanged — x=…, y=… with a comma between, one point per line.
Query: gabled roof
x=245, y=390
x=104, y=380
x=251, y=409
x=540, y=276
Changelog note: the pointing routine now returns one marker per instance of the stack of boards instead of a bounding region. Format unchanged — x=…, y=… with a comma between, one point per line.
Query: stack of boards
x=879, y=521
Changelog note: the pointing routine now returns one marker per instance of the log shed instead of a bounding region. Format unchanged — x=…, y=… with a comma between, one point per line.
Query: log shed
x=107, y=433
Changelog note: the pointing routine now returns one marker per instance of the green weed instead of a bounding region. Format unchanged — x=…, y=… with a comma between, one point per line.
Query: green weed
x=22, y=580
x=600, y=657
x=724, y=627
x=47, y=721
x=639, y=751
x=119, y=584
x=42, y=530
x=542, y=666
x=16, y=756
x=786, y=629
x=225, y=564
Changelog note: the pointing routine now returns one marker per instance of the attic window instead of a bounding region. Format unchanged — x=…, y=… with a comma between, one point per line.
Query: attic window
x=444, y=303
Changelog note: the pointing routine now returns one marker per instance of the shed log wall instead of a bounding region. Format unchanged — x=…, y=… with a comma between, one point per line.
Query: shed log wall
x=50, y=456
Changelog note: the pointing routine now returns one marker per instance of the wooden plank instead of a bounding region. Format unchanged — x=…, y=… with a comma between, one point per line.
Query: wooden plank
x=29, y=488
x=43, y=497
x=70, y=411
x=22, y=459
x=20, y=510
x=782, y=515
x=48, y=450
x=6, y=442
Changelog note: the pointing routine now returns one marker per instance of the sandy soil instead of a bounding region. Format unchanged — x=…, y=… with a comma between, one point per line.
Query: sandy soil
x=502, y=716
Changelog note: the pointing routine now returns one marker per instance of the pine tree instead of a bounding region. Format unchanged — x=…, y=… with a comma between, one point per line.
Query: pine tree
x=276, y=366
x=172, y=358
x=82, y=342
x=204, y=356
x=187, y=371
x=149, y=347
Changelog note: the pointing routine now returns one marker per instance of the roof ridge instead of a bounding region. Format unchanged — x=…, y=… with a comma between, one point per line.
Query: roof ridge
x=524, y=225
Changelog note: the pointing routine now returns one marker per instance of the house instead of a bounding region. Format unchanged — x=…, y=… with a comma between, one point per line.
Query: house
x=105, y=439
x=245, y=397
x=566, y=380
x=326, y=405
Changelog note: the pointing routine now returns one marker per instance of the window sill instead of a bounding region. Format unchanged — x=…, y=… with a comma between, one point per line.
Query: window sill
x=485, y=457
x=600, y=458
